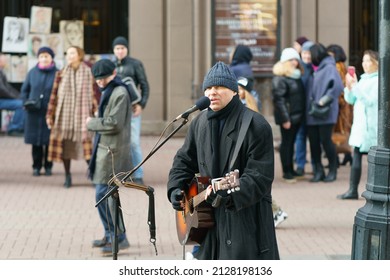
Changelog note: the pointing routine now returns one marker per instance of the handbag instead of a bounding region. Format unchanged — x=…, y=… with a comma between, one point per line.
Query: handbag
x=33, y=104
x=321, y=111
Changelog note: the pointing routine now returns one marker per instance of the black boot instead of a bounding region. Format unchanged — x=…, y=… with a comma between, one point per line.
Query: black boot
x=68, y=180
x=319, y=173
x=352, y=192
x=347, y=158
x=332, y=175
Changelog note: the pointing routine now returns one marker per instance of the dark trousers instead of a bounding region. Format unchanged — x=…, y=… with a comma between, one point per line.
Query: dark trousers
x=287, y=148
x=321, y=135
x=39, y=154
x=356, y=168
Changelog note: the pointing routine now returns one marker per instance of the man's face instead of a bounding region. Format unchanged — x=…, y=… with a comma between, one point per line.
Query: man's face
x=219, y=97
x=120, y=52
x=102, y=83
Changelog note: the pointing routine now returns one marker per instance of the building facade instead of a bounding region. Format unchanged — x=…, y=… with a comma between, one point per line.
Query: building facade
x=176, y=39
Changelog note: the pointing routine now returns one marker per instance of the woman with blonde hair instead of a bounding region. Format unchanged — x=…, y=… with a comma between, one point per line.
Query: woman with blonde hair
x=289, y=106
x=72, y=101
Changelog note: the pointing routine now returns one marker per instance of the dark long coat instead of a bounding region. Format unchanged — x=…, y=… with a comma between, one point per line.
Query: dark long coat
x=37, y=82
x=244, y=222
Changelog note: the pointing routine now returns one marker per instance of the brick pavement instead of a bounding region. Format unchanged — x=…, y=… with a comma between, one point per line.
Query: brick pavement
x=40, y=219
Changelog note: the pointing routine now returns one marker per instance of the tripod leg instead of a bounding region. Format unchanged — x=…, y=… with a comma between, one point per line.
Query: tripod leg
x=116, y=222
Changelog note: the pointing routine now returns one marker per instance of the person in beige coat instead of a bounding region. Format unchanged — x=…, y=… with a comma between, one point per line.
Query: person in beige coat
x=111, y=145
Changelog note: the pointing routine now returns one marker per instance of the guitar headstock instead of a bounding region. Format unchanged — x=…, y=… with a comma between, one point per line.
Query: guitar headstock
x=230, y=182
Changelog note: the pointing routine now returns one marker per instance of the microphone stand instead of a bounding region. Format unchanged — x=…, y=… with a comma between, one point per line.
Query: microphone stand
x=155, y=149
x=113, y=192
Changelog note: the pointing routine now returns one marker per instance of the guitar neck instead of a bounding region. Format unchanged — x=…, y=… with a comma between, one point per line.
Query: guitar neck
x=199, y=198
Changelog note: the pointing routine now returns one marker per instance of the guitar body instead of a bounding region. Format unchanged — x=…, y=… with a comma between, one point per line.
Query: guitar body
x=193, y=223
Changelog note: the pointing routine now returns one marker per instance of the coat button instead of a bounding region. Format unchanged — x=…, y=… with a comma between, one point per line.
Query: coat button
x=229, y=242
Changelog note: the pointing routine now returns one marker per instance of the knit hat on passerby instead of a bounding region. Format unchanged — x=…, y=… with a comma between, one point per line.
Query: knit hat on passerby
x=289, y=53
x=120, y=41
x=102, y=69
x=46, y=50
x=220, y=75
x=306, y=46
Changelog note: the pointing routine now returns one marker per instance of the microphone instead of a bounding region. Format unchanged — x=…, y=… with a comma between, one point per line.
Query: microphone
x=201, y=104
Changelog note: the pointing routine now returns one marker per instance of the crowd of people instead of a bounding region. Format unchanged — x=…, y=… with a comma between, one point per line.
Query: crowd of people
x=82, y=111
x=88, y=112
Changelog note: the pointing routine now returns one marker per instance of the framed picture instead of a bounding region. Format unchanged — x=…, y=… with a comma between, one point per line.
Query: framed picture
x=15, y=31
x=41, y=19
x=72, y=32
x=18, y=68
x=54, y=41
x=35, y=41
x=7, y=65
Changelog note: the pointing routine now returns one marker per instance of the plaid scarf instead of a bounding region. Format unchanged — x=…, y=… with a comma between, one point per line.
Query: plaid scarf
x=74, y=102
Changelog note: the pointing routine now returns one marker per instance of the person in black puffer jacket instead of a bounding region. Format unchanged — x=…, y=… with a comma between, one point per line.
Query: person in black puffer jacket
x=289, y=106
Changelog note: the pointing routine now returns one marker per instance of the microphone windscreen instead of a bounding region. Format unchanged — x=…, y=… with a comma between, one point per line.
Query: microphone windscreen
x=202, y=103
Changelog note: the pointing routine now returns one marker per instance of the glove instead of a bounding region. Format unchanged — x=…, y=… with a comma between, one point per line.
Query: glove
x=325, y=100
x=176, y=197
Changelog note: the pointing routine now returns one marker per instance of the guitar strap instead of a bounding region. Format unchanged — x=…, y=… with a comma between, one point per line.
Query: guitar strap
x=151, y=218
x=246, y=120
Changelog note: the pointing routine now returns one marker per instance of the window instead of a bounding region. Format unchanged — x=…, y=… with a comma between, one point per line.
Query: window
x=363, y=30
x=103, y=19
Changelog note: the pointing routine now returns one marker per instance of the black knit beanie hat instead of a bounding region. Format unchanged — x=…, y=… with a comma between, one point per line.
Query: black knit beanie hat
x=46, y=50
x=220, y=75
x=120, y=41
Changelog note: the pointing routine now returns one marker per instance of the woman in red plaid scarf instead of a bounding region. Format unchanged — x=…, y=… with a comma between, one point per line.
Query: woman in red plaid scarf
x=72, y=101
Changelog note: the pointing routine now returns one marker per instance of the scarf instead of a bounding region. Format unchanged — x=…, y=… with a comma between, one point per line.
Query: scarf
x=217, y=120
x=106, y=94
x=75, y=95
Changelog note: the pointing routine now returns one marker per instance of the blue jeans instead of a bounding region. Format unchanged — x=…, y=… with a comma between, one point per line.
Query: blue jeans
x=300, y=147
x=135, y=146
x=105, y=213
x=16, y=105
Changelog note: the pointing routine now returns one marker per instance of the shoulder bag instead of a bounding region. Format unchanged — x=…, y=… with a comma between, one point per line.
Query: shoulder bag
x=33, y=104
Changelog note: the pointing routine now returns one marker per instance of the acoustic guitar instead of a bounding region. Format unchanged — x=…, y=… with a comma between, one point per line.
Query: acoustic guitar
x=193, y=222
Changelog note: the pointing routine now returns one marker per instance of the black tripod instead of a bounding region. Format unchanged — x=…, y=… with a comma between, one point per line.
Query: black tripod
x=113, y=192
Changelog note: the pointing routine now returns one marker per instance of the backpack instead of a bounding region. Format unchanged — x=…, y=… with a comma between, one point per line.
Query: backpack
x=135, y=95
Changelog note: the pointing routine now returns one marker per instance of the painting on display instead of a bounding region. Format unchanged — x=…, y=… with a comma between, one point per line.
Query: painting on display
x=7, y=66
x=35, y=42
x=72, y=32
x=54, y=41
x=15, y=35
x=41, y=19
x=18, y=68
